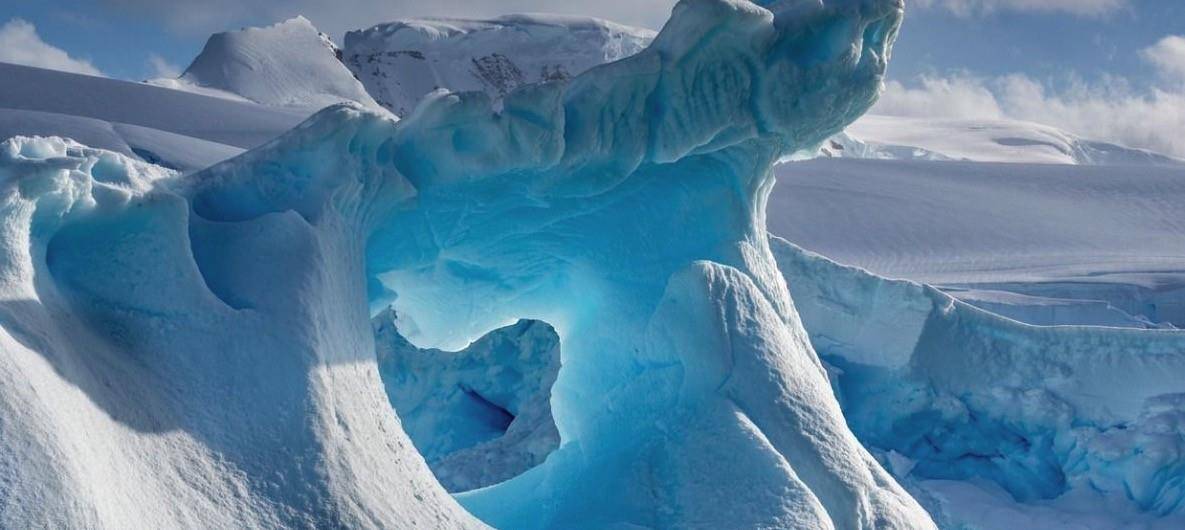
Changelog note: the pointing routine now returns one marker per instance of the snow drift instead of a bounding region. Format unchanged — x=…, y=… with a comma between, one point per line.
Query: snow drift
x=195, y=351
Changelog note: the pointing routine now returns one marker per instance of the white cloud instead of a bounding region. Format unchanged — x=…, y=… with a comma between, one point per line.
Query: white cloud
x=20, y=44
x=959, y=96
x=1089, y=8
x=1109, y=110
x=162, y=68
x=1168, y=56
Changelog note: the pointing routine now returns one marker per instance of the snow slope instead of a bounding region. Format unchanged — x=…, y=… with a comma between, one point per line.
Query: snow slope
x=288, y=64
x=174, y=128
x=170, y=150
x=1089, y=233
x=203, y=388
x=238, y=124
x=904, y=138
x=401, y=61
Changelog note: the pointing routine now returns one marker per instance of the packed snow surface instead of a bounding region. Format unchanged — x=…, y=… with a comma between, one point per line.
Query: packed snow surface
x=288, y=64
x=239, y=124
x=1006, y=141
x=400, y=62
x=1106, y=235
x=195, y=351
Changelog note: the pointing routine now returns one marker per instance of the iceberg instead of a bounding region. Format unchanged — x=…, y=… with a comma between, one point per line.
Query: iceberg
x=196, y=351
x=965, y=394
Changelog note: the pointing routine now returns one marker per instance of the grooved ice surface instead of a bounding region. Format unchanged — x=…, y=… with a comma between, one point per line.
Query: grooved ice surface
x=196, y=352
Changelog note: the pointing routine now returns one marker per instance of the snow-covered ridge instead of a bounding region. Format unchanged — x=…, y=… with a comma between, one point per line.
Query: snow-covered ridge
x=173, y=128
x=288, y=64
x=903, y=138
x=399, y=62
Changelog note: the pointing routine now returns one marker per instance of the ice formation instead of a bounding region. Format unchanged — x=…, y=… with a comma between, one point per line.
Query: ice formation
x=196, y=351
x=478, y=416
x=959, y=393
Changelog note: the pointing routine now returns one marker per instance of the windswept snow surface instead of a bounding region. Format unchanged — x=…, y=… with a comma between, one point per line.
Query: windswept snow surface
x=238, y=124
x=196, y=351
x=170, y=150
x=400, y=62
x=1007, y=141
x=288, y=64
x=1106, y=235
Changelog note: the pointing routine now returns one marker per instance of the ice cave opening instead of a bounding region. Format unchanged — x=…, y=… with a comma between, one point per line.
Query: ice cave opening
x=481, y=415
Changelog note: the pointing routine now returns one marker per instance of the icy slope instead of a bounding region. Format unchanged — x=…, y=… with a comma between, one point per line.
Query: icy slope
x=960, y=394
x=400, y=62
x=1113, y=234
x=902, y=138
x=288, y=64
x=211, y=332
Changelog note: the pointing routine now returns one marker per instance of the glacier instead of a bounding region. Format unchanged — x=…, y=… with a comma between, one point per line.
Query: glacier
x=195, y=350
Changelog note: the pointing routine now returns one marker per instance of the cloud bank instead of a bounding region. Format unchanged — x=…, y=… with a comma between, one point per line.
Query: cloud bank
x=1111, y=109
x=1088, y=8
x=20, y=44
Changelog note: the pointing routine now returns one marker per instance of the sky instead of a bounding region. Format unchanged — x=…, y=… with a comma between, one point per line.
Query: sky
x=1104, y=69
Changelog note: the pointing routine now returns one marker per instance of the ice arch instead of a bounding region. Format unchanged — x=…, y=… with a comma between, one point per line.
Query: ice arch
x=625, y=208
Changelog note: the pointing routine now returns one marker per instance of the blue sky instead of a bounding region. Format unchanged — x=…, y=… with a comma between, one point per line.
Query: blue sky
x=958, y=58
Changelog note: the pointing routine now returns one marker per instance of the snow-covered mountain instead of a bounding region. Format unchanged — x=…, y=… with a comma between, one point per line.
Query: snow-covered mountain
x=1010, y=141
x=401, y=61
x=288, y=64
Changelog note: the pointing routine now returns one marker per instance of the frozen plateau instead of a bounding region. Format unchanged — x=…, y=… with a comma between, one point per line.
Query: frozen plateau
x=552, y=272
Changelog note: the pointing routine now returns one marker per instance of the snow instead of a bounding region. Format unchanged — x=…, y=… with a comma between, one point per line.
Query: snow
x=1005, y=141
x=400, y=62
x=237, y=124
x=218, y=348
x=955, y=393
x=288, y=64
x=1110, y=234
x=166, y=149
